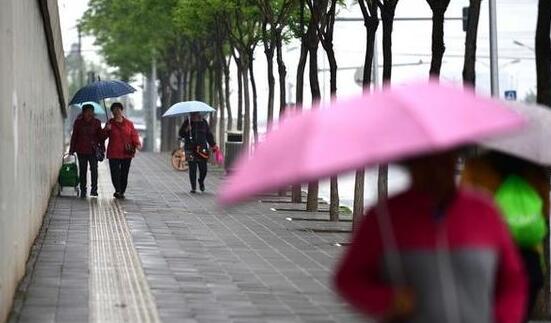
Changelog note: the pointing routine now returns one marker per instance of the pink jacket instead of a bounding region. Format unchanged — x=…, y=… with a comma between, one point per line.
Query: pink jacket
x=466, y=253
x=121, y=134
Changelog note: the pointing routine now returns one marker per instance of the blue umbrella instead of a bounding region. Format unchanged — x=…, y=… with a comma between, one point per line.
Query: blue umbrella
x=187, y=107
x=100, y=90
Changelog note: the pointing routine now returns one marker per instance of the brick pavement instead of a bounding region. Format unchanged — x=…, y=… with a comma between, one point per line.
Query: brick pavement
x=201, y=263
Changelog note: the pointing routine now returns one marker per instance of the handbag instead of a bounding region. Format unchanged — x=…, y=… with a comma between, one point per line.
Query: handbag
x=130, y=149
x=99, y=151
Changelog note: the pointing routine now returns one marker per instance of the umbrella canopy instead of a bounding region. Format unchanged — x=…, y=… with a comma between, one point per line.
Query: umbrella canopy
x=187, y=107
x=100, y=90
x=390, y=125
x=98, y=109
x=532, y=142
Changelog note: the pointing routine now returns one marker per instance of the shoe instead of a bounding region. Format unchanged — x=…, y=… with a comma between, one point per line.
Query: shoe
x=193, y=191
x=117, y=195
x=121, y=196
x=202, y=187
x=94, y=193
x=82, y=194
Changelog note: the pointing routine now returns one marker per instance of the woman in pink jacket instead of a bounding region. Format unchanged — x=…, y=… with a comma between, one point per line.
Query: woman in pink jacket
x=123, y=142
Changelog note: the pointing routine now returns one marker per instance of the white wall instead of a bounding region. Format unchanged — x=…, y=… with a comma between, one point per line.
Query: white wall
x=31, y=132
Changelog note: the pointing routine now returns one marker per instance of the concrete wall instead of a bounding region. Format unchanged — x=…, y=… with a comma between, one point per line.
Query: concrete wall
x=32, y=100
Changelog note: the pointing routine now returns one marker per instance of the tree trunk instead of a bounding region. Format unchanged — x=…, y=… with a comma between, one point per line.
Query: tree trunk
x=269, y=52
x=387, y=14
x=439, y=8
x=469, y=75
x=542, y=308
x=200, y=82
x=313, y=187
x=282, y=72
x=212, y=101
x=371, y=24
x=255, y=101
x=334, y=202
x=191, y=84
x=227, y=93
x=247, y=107
x=296, y=190
x=239, y=96
x=221, y=109
x=543, y=53
x=165, y=104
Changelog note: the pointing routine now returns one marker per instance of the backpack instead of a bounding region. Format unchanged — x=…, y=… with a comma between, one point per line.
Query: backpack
x=522, y=208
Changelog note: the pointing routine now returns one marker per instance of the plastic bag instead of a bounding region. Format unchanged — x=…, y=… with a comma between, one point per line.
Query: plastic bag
x=218, y=157
x=522, y=208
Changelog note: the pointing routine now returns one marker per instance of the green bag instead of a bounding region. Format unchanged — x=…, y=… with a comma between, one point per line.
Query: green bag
x=522, y=208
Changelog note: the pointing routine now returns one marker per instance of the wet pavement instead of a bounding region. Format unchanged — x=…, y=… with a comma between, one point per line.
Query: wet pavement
x=165, y=255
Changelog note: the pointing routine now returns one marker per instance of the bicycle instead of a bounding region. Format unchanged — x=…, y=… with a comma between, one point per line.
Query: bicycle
x=178, y=157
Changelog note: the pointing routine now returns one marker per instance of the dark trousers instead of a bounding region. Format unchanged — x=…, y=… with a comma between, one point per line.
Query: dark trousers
x=83, y=161
x=534, y=272
x=193, y=165
x=119, y=173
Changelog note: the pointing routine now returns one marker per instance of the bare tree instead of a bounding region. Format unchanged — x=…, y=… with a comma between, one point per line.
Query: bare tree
x=469, y=75
x=326, y=11
x=438, y=8
x=296, y=190
x=388, y=9
x=371, y=23
x=312, y=41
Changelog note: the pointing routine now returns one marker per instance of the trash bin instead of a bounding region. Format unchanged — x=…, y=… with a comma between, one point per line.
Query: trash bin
x=234, y=143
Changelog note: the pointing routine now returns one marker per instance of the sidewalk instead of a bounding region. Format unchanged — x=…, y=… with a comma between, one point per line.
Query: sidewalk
x=164, y=255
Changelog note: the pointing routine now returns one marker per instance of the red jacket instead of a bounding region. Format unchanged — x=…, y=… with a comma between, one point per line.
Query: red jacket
x=466, y=253
x=121, y=134
x=85, y=135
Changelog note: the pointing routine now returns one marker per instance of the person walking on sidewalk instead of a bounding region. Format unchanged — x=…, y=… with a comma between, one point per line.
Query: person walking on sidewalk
x=123, y=142
x=198, y=139
x=436, y=253
x=86, y=137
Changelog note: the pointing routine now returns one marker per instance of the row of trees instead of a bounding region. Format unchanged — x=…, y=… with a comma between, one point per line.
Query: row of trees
x=194, y=43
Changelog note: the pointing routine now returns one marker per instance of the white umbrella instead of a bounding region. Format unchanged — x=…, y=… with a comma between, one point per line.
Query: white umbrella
x=533, y=142
x=188, y=107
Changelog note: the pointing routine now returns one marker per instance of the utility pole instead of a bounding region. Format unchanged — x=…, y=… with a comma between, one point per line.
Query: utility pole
x=150, y=107
x=494, y=70
x=80, y=59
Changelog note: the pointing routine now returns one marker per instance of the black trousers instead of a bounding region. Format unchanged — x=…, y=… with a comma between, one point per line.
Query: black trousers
x=193, y=165
x=119, y=173
x=83, y=161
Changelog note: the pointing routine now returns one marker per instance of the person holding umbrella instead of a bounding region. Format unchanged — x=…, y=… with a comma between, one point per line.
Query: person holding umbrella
x=85, y=140
x=512, y=170
x=123, y=142
x=435, y=253
x=198, y=139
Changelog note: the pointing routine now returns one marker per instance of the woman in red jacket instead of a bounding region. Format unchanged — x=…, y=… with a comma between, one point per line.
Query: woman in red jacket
x=86, y=136
x=123, y=142
x=434, y=254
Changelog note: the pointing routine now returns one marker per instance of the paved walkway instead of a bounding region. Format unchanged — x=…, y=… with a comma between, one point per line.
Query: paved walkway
x=164, y=255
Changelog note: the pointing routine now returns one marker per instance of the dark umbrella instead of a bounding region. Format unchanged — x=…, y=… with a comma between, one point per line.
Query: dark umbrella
x=100, y=90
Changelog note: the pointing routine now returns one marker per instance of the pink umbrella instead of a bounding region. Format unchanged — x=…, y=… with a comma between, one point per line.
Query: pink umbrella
x=377, y=128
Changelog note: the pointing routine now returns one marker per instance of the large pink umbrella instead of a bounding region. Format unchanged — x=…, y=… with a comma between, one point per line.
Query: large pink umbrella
x=382, y=127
